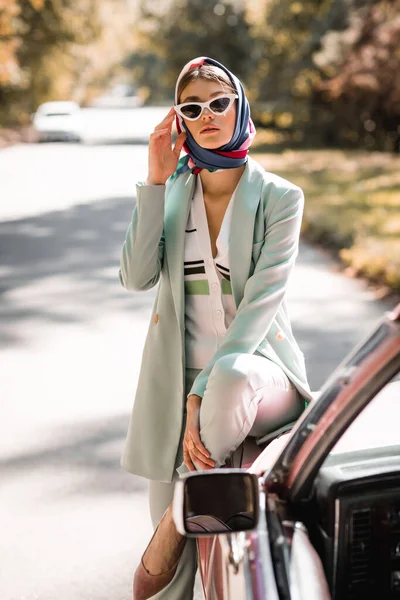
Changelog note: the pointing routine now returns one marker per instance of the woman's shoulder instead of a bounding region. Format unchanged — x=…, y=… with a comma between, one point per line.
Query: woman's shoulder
x=273, y=184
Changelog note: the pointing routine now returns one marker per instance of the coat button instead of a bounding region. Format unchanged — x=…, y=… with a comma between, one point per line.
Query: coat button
x=280, y=336
x=156, y=318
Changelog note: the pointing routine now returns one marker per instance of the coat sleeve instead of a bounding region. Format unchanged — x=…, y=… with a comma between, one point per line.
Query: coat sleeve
x=143, y=250
x=265, y=289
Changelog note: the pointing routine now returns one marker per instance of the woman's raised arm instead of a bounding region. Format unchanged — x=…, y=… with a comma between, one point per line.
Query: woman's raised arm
x=143, y=250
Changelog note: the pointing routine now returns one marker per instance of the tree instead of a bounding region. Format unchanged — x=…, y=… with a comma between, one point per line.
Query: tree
x=49, y=33
x=186, y=29
x=364, y=89
x=10, y=41
x=286, y=39
x=59, y=49
x=36, y=36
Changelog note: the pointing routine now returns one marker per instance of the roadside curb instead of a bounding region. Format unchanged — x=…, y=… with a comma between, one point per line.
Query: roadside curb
x=380, y=290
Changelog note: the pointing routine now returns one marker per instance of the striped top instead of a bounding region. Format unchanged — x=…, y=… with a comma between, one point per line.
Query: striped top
x=209, y=303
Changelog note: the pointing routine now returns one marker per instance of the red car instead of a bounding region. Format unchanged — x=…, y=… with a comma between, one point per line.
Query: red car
x=317, y=514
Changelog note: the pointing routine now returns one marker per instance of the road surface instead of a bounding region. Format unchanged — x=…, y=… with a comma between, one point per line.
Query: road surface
x=73, y=524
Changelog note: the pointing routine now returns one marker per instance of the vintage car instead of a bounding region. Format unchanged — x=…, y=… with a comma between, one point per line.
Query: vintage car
x=316, y=515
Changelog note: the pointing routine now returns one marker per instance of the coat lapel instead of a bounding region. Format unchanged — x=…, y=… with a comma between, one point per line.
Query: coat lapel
x=247, y=199
x=178, y=202
x=177, y=209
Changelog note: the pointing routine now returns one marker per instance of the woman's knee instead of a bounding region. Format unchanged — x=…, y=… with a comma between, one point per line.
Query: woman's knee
x=229, y=373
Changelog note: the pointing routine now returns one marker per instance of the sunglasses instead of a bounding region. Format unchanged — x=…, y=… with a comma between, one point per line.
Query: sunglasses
x=218, y=106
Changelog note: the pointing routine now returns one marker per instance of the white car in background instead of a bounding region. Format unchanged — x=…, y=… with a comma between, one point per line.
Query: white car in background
x=59, y=120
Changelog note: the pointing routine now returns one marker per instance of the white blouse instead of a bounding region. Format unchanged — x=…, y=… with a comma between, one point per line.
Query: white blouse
x=209, y=303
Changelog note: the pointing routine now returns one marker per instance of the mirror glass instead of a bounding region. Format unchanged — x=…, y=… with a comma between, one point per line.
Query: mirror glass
x=220, y=503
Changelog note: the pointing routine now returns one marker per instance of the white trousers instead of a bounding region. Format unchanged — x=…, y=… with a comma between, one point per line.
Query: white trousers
x=246, y=394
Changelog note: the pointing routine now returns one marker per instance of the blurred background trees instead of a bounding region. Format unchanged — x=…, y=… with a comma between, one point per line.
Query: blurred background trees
x=58, y=49
x=173, y=33
x=318, y=72
x=362, y=78
x=331, y=71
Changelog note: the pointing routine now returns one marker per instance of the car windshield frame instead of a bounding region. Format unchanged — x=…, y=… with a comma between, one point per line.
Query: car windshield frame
x=355, y=382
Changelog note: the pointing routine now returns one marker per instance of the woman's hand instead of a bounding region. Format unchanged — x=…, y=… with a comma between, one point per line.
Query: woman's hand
x=163, y=159
x=193, y=449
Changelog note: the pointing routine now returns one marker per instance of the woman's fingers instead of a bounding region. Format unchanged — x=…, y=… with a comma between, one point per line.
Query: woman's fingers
x=198, y=457
x=162, y=159
x=166, y=124
x=187, y=460
x=192, y=444
x=167, y=121
x=199, y=453
x=198, y=443
x=179, y=142
x=159, y=132
x=200, y=464
x=193, y=459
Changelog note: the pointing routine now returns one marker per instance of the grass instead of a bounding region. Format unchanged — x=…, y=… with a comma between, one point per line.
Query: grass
x=352, y=206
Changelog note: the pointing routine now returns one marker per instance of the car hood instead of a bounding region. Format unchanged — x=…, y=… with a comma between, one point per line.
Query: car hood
x=290, y=463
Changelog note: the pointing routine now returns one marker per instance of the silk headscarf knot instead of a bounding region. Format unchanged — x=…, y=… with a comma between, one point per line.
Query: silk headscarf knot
x=231, y=155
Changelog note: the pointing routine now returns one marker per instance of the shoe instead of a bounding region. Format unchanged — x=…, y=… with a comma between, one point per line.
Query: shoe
x=145, y=584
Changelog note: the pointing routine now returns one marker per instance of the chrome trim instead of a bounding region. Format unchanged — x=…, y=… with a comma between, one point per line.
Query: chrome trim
x=300, y=526
x=264, y=554
x=237, y=549
x=248, y=583
x=177, y=507
x=287, y=523
x=335, y=545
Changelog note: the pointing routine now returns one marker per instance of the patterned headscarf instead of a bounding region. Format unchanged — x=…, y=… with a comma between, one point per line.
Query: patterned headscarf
x=231, y=155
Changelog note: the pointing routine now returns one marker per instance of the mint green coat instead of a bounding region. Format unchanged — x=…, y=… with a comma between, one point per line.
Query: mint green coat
x=263, y=246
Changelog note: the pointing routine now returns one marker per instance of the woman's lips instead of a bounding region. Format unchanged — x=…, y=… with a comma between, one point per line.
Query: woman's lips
x=209, y=131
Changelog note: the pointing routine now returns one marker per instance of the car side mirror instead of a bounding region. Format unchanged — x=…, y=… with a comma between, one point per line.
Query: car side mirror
x=216, y=501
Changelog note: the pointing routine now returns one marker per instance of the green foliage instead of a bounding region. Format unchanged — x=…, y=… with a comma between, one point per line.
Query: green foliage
x=352, y=205
x=285, y=46
x=147, y=69
x=330, y=71
x=317, y=72
x=37, y=36
x=362, y=81
x=286, y=76
x=190, y=28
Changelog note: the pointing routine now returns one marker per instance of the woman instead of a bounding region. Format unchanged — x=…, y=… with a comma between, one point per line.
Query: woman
x=220, y=362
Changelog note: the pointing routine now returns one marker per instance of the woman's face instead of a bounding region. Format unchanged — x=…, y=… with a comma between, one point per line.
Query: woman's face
x=223, y=126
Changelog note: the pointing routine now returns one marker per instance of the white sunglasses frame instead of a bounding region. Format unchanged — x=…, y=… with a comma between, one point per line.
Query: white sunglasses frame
x=203, y=105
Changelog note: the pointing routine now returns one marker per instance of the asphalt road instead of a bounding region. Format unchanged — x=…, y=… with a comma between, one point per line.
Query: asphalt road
x=73, y=524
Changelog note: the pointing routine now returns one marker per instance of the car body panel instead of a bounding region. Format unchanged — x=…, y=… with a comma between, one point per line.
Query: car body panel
x=220, y=579
x=351, y=413
x=239, y=565
x=351, y=387
x=304, y=559
x=370, y=429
